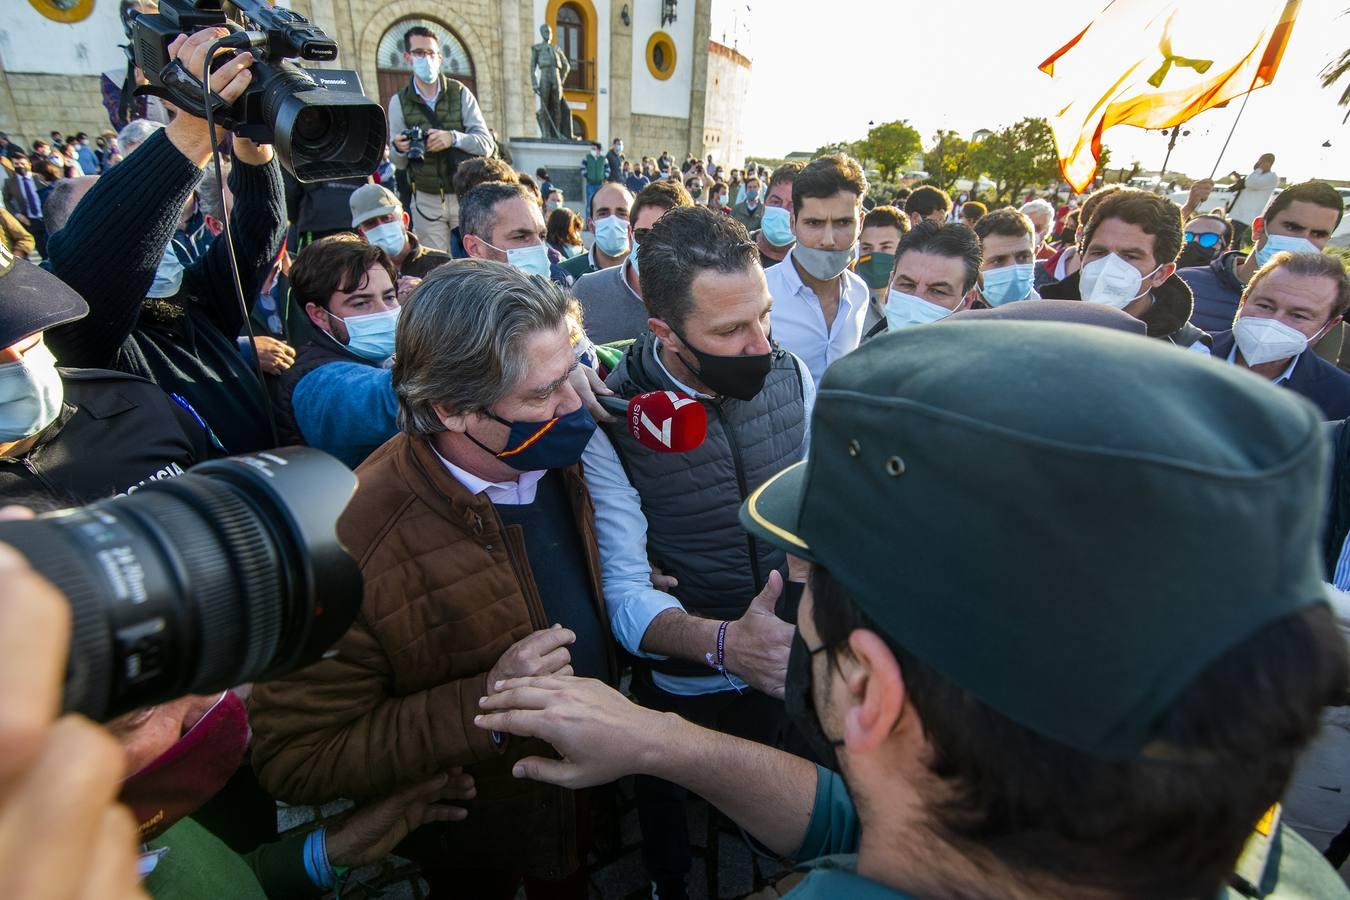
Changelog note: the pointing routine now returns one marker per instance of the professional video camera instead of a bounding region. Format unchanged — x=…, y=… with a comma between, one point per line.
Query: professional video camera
x=417, y=144
x=318, y=133
x=228, y=574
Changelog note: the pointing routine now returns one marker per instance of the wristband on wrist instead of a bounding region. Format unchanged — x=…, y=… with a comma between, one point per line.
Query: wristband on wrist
x=317, y=867
x=718, y=658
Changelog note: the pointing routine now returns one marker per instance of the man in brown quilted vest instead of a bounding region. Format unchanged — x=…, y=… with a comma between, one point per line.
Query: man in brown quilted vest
x=475, y=535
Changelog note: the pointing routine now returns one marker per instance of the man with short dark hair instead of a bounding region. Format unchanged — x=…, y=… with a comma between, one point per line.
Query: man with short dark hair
x=1207, y=237
x=477, y=545
x=1301, y=220
x=775, y=238
x=1290, y=303
x=21, y=195
x=937, y=270
x=971, y=213
x=699, y=646
x=502, y=222
x=1130, y=248
x=611, y=298
x=818, y=304
x=1127, y=732
x=882, y=229
x=749, y=210
x=614, y=161
x=453, y=128
x=592, y=175
x=336, y=396
x=928, y=202
x=1008, y=254
x=609, y=223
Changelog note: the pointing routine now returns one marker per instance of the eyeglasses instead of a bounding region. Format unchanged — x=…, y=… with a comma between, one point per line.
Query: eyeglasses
x=1208, y=240
x=423, y=54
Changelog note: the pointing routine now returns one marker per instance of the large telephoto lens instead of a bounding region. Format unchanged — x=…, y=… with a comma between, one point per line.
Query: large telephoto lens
x=228, y=574
x=318, y=133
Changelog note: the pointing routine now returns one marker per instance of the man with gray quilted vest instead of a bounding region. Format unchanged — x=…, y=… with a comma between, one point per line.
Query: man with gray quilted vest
x=709, y=646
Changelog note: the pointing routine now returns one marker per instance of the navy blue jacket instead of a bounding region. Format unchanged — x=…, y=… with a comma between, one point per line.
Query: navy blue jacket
x=1216, y=289
x=1316, y=379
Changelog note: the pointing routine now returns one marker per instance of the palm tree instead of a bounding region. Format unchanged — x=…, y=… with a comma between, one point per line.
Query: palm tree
x=1337, y=70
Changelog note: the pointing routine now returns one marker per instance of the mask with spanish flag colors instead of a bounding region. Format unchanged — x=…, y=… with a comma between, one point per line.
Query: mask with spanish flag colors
x=552, y=444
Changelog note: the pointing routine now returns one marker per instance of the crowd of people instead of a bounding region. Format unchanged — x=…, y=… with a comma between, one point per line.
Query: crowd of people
x=1008, y=564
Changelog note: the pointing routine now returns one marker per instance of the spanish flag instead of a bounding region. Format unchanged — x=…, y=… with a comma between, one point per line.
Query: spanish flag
x=1157, y=63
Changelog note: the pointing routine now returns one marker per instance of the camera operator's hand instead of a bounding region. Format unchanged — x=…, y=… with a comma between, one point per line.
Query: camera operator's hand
x=757, y=643
x=401, y=143
x=541, y=653
x=62, y=832
x=439, y=139
x=187, y=132
x=600, y=734
x=249, y=153
x=370, y=832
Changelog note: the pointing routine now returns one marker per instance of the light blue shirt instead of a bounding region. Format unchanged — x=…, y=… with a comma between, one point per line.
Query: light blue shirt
x=621, y=530
x=799, y=322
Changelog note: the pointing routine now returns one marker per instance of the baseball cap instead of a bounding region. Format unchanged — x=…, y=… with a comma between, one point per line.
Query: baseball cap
x=371, y=200
x=33, y=300
x=1070, y=523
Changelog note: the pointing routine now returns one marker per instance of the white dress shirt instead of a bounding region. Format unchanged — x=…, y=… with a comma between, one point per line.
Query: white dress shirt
x=621, y=531
x=1198, y=347
x=502, y=493
x=1254, y=197
x=799, y=322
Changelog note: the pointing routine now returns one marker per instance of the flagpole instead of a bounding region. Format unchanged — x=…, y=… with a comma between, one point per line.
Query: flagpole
x=1245, y=97
x=1162, y=174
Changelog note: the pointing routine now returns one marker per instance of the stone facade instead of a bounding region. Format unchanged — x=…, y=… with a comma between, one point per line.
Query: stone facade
x=497, y=34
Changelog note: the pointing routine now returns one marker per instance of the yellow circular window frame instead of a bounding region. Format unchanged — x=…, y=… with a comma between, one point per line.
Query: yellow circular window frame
x=662, y=40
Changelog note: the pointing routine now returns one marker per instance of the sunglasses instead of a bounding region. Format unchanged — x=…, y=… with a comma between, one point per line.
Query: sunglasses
x=1209, y=240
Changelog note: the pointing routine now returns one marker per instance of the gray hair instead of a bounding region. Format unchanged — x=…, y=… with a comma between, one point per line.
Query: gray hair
x=209, y=199
x=461, y=338
x=135, y=133
x=65, y=195
x=1313, y=265
x=1038, y=205
x=476, y=208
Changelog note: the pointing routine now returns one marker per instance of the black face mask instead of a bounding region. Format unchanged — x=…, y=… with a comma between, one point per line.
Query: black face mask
x=738, y=377
x=801, y=709
x=1195, y=255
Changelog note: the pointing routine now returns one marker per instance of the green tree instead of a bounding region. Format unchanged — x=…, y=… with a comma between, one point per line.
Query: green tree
x=836, y=147
x=889, y=146
x=946, y=160
x=1017, y=157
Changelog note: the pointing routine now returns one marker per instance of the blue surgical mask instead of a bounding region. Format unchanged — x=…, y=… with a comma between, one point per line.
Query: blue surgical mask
x=553, y=444
x=169, y=275
x=904, y=310
x=426, y=69
x=776, y=226
x=611, y=235
x=31, y=393
x=372, y=336
x=1275, y=243
x=1008, y=284
x=390, y=237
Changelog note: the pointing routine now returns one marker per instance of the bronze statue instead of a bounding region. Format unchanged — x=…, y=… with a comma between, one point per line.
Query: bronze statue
x=548, y=70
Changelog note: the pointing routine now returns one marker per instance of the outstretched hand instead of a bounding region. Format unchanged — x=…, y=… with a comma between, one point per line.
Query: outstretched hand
x=757, y=643
x=600, y=734
x=370, y=832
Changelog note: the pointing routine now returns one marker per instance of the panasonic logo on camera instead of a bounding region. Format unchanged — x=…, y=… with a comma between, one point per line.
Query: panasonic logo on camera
x=337, y=81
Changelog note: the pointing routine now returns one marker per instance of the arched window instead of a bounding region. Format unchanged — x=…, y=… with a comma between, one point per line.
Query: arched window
x=571, y=28
x=393, y=71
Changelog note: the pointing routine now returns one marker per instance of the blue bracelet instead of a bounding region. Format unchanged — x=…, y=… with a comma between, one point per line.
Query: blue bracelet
x=720, y=662
x=315, y=854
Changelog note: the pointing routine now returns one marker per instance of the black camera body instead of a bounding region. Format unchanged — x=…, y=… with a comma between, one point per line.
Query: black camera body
x=417, y=144
x=318, y=133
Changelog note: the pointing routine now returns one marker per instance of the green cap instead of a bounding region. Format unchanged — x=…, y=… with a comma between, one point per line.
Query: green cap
x=1069, y=522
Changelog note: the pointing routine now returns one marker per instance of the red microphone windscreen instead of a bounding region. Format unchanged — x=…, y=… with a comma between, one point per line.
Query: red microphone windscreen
x=667, y=422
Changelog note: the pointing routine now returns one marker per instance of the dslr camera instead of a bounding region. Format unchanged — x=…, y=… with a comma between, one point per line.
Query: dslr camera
x=227, y=574
x=318, y=133
x=417, y=144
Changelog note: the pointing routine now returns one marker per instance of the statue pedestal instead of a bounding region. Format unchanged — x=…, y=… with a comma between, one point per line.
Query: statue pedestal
x=563, y=161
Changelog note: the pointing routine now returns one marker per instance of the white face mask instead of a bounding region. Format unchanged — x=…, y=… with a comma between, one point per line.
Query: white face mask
x=389, y=236
x=1112, y=281
x=1267, y=340
x=904, y=310
x=530, y=260
x=30, y=394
